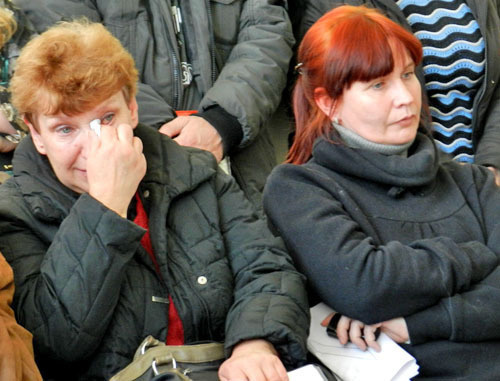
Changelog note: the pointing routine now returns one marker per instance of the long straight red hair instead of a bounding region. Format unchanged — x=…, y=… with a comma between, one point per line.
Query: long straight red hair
x=347, y=44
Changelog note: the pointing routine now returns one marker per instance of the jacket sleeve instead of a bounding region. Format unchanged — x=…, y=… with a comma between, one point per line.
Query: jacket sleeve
x=472, y=315
x=270, y=300
x=249, y=85
x=488, y=147
x=345, y=267
x=67, y=289
x=487, y=150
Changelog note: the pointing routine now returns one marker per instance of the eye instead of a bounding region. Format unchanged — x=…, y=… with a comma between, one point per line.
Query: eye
x=64, y=130
x=378, y=85
x=408, y=74
x=107, y=119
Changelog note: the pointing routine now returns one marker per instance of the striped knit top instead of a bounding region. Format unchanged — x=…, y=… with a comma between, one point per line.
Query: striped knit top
x=453, y=64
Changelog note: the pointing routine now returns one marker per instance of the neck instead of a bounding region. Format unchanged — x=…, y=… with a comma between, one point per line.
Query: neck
x=353, y=140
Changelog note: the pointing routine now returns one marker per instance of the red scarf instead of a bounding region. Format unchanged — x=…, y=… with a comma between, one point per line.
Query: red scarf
x=175, y=334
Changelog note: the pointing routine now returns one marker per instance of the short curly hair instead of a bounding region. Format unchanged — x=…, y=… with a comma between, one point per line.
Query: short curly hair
x=71, y=68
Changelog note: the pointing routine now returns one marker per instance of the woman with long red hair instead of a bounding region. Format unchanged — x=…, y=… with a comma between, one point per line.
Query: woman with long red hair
x=389, y=236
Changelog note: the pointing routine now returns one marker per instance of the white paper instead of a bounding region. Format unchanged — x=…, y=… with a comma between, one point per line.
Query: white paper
x=95, y=125
x=392, y=363
x=306, y=373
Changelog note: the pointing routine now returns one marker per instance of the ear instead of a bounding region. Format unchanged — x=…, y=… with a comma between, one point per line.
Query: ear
x=134, y=111
x=325, y=103
x=36, y=137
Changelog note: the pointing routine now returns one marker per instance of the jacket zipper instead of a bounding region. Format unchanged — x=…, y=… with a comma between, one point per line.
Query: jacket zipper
x=169, y=18
x=212, y=42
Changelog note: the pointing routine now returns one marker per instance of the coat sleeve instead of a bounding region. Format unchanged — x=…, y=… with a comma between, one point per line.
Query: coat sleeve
x=488, y=147
x=487, y=151
x=472, y=315
x=270, y=300
x=345, y=267
x=250, y=84
x=67, y=289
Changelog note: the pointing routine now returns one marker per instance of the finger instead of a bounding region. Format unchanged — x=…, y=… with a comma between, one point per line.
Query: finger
x=94, y=141
x=108, y=133
x=355, y=335
x=343, y=329
x=370, y=338
x=326, y=320
x=228, y=372
x=174, y=127
x=125, y=133
x=256, y=374
x=137, y=143
x=280, y=371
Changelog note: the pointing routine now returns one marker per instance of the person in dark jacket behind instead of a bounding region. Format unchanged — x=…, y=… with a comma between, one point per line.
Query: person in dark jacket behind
x=387, y=236
x=226, y=60
x=121, y=233
x=459, y=71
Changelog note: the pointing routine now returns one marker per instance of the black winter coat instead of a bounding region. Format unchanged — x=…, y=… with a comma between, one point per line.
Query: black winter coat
x=382, y=237
x=84, y=283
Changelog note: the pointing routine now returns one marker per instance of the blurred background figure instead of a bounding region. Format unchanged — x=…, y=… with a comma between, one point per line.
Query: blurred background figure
x=226, y=61
x=15, y=31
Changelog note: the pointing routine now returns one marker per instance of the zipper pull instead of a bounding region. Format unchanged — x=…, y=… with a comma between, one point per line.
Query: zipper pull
x=176, y=13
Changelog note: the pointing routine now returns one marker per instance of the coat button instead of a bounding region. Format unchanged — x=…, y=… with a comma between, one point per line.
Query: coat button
x=202, y=280
x=146, y=193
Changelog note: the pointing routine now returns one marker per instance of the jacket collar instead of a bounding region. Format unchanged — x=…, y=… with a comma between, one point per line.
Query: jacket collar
x=178, y=169
x=418, y=169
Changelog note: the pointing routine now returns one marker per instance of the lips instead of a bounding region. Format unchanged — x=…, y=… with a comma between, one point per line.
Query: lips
x=406, y=120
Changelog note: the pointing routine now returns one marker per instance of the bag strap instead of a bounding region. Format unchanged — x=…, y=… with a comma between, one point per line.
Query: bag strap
x=152, y=352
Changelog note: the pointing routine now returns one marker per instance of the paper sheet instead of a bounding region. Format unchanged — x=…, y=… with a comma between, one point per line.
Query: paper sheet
x=308, y=372
x=392, y=363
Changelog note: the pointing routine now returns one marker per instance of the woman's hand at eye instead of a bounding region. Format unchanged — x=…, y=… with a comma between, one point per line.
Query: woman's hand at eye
x=115, y=183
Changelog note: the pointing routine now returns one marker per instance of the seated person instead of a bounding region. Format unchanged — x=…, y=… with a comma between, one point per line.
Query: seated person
x=387, y=235
x=459, y=72
x=121, y=233
x=16, y=348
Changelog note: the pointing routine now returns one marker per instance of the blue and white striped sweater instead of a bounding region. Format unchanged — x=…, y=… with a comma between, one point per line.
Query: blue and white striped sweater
x=453, y=64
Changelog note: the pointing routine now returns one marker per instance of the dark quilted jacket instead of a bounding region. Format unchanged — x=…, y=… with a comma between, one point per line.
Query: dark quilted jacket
x=85, y=285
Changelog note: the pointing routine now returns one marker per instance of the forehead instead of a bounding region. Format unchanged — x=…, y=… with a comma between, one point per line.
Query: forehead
x=113, y=103
x=400, y=53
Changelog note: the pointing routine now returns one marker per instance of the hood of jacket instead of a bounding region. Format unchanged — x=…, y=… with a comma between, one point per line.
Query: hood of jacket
x=416, y=170
x=185, y=169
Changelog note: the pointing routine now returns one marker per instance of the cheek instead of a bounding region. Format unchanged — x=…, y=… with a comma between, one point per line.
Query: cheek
x=64, y=157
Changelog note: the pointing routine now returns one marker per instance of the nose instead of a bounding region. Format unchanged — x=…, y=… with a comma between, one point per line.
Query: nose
x=403, y=95
x=84, y=141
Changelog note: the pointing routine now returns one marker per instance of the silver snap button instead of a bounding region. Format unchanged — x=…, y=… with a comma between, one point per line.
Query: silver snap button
x=202, y=280
x=146, y=193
